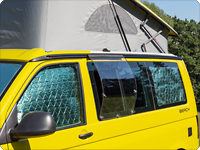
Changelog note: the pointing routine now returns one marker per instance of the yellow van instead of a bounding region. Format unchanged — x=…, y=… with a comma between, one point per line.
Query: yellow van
x=95, y=100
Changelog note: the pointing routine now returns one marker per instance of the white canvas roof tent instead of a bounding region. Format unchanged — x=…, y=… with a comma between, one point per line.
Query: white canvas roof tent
x=82, y=25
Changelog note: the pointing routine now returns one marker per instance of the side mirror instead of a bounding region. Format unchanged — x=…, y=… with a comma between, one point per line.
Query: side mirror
x=34, y=124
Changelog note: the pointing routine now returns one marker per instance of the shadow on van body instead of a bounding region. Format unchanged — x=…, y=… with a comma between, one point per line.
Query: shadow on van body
x=21, y=145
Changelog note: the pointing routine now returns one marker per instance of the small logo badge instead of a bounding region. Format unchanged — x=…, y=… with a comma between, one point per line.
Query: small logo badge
x=184, y=110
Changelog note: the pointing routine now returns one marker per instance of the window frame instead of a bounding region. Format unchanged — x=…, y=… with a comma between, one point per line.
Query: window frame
x=81, y=90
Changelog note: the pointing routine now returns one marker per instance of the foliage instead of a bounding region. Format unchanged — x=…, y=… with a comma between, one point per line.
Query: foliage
x=159, y=12
x=186, y=45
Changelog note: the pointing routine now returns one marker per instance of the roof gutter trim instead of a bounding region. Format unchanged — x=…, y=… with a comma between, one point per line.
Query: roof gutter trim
x=64, y=56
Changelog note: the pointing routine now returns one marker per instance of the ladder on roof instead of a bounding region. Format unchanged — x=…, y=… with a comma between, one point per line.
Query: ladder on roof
x=151, y=37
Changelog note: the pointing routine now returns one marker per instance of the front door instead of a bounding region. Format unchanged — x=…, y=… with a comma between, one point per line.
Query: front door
x=56, y=87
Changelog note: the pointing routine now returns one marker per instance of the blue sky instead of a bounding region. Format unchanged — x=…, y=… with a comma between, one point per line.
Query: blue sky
x=189, y=9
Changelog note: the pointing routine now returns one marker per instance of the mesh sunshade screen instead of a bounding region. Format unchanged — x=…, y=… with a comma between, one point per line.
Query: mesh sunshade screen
x=168, y=85
x=55, y=89
x=102, y=20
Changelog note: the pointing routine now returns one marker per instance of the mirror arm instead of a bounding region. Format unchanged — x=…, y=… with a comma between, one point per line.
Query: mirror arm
x=13, y=136
x=10, y=122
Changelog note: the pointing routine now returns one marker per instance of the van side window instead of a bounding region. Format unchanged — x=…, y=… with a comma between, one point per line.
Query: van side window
x=142, y=96
x=114, y=88
x=167, y=83
x=55, y=89
x=159, y=85
x=144, y=100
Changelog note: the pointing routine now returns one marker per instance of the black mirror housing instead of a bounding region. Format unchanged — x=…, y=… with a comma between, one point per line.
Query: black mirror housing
x=33, y=125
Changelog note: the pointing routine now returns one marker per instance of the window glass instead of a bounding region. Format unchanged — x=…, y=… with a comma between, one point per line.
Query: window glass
x=117, y=94
x=7, y=72
x=144, y=100
x=167, y=83
x=55, y=89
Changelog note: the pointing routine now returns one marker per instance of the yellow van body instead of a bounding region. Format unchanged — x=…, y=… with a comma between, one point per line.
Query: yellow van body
x=170, y=127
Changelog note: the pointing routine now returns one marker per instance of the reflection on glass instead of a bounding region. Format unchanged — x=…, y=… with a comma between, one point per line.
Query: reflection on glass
x=7, y=72
x=118, y=89
x=144, y=97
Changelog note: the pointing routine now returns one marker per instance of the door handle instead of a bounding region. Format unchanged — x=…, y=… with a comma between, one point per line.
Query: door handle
x=85, y=136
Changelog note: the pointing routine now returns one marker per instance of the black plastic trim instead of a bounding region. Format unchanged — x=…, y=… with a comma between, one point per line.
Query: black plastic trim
x=11, y=81
x=189, y=131
x=152, y=56
x=30, y=126
x=59, y=56
x=170, y=105
x=85, y=136
x=83, y=96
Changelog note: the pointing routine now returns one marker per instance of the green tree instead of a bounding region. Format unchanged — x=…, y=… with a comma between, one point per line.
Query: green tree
x=159, y=12
x=186, y=45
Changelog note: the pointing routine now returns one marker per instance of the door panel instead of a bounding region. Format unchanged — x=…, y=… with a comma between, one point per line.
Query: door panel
x=57, y=87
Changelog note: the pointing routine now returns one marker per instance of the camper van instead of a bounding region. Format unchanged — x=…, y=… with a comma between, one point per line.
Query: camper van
x=101, y=78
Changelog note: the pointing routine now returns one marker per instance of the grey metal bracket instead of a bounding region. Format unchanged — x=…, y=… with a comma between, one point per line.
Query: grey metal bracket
x=151, y=37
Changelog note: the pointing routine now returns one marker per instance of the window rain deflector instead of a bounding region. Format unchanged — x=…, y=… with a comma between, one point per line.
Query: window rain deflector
x=118, y=83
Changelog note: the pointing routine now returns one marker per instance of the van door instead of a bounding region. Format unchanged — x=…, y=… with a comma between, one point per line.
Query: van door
x=144, y=118
x=56, y=87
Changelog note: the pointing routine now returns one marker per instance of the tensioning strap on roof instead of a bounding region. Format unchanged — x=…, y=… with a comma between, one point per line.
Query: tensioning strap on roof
x=121, y=28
